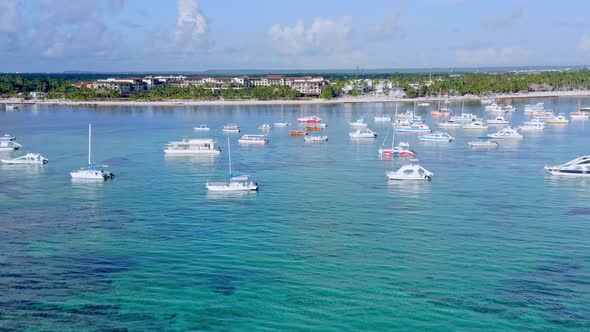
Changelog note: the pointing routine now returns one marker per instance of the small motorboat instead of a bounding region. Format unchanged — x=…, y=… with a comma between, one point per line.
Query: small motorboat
x=282, y=124
x=579, y=167
x=543, y=115
x=202, y=127
x=315, y=139
x=483, y=143
x=231, y=128
x=8, y=138
x=192, y=146
x=309, y=119
x=436, y=137
x=363, y=133
x=382, y=118
x=11, y=107
x=9, y=145
x=533, y=125
x=443, y=111
x=423, y=104
x=360, y=123
x=412, y=127
x=314, y=128
x=530, y=108
x=487, y=101
x=298, y=133
x=559, y=119
x=451, y=123
x=253, y=139
x=409, y=115
x=265, y=127
x=321, y=125
x=475, y=125
x=412, y=172
x=506, y=133
x=464, y=117
x=499, y=120
x=29, y=158
x=579, y=115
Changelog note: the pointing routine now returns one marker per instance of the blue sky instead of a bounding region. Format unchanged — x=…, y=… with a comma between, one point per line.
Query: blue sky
x=194, y=35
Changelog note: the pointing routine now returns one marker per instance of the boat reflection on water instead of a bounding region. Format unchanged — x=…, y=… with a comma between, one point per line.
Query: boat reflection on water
x=234, y=195
x=408, y=188
x=187, y=160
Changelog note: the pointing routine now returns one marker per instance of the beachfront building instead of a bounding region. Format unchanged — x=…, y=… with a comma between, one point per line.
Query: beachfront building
x=309, y=86
x=37, y=94
x=123, y=85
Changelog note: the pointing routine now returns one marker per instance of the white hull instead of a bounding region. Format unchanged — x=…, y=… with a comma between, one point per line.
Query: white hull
x=570, y=175
x=231, y=186
x=282, y=124
x=253, y=142
x=89, y=175
x=200, y=129
x=191, y=152
x=231, y=131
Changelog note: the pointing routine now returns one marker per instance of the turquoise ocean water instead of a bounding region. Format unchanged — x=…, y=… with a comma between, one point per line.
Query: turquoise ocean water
x=327, y=244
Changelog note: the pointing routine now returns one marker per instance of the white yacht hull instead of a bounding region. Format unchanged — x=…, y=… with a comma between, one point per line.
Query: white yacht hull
x=90, y=175
x=231, y=186
x=399, y=177
x=191, y=152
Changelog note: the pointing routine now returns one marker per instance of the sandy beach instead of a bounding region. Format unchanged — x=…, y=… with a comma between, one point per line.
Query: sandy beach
x=340, y=100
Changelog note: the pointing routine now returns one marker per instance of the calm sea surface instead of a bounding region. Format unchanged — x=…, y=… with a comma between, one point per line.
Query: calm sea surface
x=327, y=244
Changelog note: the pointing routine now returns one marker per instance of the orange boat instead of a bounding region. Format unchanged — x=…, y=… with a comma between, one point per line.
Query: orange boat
x=314, y=129
x=298, y=133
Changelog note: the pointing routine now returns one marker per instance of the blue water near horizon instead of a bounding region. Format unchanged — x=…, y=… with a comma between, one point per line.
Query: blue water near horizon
x=491, y=243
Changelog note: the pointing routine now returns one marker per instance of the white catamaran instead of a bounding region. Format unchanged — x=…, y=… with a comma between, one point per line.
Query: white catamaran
x=237, y=182
x=93, y=171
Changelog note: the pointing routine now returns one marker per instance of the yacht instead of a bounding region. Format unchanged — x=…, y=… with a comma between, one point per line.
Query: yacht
x=410, y=172
x=192, y=146
x=29, y=158
x=559, y=119
x=8, y=143
x=543, y=115
x=93, y=171
x=237, y=182
x=579, y=167
x=401, y=150
x=360, y=123
x=487, y=101
x=494, y=108
x=483, y=143
x=231, y=128
x=533, y=125
x=382, y=118
x=442, y=111
x=363, y=133
x=499, y=120
x=265, y=127
x=506, y=133
x=11, y=107
x=423, y=104
x=476, y=124
x=202, y=127
x=451, y=123
x=508, y=109
x=529, y=108
x=309, y=119
x=253, y=139
x=464, y=117
x=315, y=139
x=409, y=115
x=436, y=137
x=412, y=126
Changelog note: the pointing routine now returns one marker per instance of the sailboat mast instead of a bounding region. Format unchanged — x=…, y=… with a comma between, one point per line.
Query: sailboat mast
x=229, y=155
x=89, y=143
x=394, y=128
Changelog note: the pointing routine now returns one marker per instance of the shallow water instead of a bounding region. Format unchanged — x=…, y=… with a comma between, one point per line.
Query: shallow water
x=327, y=243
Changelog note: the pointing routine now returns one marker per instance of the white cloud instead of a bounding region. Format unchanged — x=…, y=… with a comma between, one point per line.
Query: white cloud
x=494, y=23
x=9, y=16
x=489, y=56
x=584, y=43
x=54, y=50
x=388, y=28
x=323, y=36
x=191, y=24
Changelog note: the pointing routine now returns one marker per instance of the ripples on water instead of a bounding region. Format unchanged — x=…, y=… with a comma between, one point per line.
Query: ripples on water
x=491, y=243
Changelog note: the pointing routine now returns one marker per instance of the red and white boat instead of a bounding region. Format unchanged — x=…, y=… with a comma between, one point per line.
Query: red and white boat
x=309, y=119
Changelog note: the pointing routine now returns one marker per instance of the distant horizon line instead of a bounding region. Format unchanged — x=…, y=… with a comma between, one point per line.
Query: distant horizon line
x=359, y=70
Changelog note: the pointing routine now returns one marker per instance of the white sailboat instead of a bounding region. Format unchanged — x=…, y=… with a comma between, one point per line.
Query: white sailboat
x=237, y=182
x=282, y=123
x=402, y=150
x=93, y=171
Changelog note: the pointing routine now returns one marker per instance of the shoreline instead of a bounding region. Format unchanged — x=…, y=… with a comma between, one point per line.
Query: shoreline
x=340, y=100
